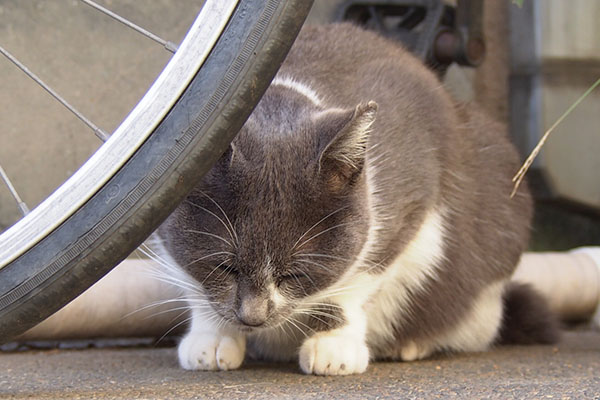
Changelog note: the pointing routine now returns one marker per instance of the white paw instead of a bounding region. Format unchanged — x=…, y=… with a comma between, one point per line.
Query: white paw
x=413, y=351
x=333, y=354
x=209, y=351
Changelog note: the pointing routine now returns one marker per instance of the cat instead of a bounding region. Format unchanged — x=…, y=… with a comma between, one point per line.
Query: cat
x=360, y=214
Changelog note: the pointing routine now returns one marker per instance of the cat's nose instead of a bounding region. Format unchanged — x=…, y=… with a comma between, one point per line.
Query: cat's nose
x=253, y=311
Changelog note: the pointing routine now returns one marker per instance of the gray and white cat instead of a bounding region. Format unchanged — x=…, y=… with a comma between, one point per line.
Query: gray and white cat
x=360, y=214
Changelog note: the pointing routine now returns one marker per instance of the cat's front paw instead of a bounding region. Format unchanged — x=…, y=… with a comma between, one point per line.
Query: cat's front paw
x=211, y=352
x=333, y=354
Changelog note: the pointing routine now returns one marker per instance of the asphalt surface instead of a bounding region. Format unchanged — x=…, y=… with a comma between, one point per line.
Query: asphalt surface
x=569, y=370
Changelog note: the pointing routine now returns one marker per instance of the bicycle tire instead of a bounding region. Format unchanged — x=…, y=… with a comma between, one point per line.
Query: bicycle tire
x=160, y=173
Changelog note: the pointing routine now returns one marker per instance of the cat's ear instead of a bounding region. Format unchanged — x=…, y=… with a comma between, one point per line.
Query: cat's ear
x=342, y=158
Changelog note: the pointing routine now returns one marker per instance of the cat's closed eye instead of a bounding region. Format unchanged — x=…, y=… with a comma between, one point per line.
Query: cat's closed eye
x=290, y=277
x=295, y=279
x=227, y=269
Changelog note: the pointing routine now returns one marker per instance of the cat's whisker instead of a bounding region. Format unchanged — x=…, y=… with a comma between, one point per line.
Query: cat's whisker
x=148, y=251
x=300, y=255
x=293, y=332
x=317, y=304
x=317, y=265
x=154, y=257
x=233, y=233
x=311, y=315
x=336, y=291
x=289, y=335
x=218, y=253
x=170, y=310
x=321, y=310
x=300, y=284
x=178, y=316
x=294, y=322
x=312, y=312
x=191, y=303
x=159, y=274
x=186, y=284
x=178, y=283
x=211, y=235
x=161, y=303
x=319, y=307
x=175, y=275
x=162, y=274
x=313, y=283
x=287, y=321
x=282, y=326
x=223, y=273
x=323, y=232
x=222, y=322
x=210, y=316
x=184, y=321
x=204, y=308
x=315, y=225
x=213, y=270
x=309, y=328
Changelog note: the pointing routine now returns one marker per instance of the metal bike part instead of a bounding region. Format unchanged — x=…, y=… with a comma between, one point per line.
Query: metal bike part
x=436, y=32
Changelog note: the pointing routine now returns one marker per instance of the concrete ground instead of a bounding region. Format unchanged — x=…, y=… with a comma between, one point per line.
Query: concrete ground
x=569, y=370
x=38, y=160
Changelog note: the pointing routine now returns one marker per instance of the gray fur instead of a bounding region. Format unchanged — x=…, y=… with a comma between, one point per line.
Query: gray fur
x=296, y=162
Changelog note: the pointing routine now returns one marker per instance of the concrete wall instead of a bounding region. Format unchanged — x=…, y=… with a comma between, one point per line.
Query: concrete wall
x=556, y=57
x=570, y=55
x=103, y=68
x=97, y=64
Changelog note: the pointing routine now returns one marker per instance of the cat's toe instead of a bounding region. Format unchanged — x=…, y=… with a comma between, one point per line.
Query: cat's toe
x=413, y=351
x=210, y=352
x=197, y=351
x=230, y=353
x=333, y=354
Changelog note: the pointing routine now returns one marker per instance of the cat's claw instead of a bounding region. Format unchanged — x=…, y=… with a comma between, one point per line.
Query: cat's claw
x=211, y=352
x=333, y=354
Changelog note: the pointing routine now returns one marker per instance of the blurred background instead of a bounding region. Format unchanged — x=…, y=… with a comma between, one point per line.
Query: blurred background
x=525, y=65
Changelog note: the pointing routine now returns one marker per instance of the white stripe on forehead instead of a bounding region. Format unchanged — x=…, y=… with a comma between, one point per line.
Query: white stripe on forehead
x=299, y=87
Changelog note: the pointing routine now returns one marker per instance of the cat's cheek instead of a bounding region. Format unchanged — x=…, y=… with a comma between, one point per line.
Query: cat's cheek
x=211, y=352
x=329, y=353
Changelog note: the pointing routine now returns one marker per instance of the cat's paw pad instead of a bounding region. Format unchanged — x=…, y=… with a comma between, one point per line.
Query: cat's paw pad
x=333, y=354
x=414, y=351
x=210, y=352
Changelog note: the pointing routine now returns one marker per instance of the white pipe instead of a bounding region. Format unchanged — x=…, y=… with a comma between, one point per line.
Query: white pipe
x=117, y=306
x=570, y=281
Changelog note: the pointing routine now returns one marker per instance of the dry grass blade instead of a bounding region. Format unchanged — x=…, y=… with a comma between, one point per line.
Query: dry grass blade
x=518, y=178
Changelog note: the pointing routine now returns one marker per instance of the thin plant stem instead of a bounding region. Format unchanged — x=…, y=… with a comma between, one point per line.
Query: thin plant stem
x=518, y=178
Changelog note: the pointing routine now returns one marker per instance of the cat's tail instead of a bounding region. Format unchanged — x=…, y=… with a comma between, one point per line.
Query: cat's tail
x=527, y=319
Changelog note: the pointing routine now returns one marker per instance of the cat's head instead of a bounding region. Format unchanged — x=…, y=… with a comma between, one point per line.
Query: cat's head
x=282, y=215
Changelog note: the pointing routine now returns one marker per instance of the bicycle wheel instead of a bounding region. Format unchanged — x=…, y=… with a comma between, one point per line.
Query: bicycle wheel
x=167, y=143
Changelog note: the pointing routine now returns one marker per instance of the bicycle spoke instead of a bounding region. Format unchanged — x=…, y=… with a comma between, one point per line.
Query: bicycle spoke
x=97, y=131
x=20, y=203
x=170, y=46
